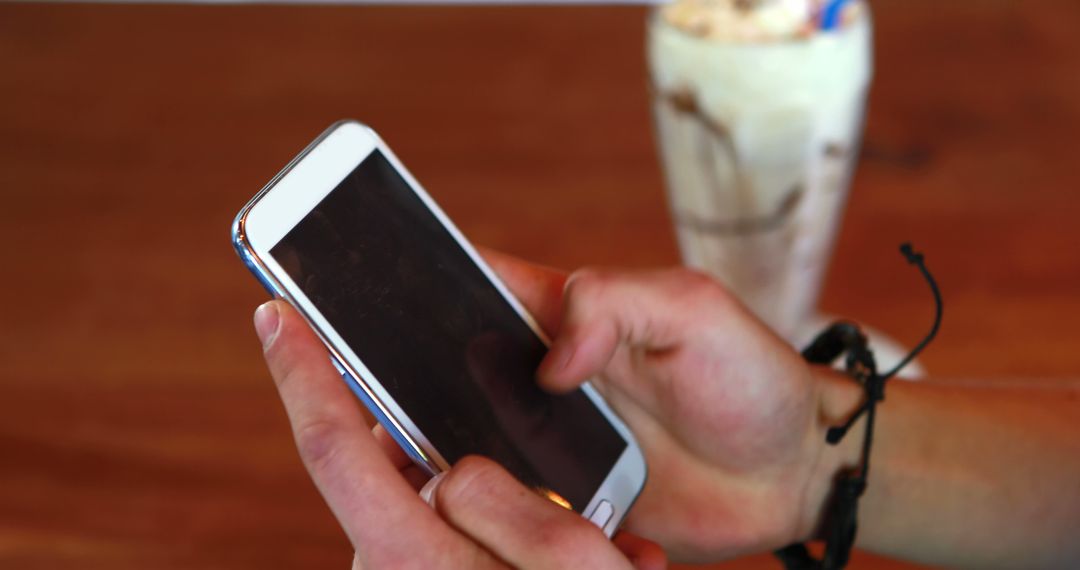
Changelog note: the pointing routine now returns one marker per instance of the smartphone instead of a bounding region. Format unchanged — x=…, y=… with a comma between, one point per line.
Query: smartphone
x=423, y=331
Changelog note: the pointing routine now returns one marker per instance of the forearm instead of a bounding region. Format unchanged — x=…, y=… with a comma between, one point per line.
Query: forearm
x=975, y=476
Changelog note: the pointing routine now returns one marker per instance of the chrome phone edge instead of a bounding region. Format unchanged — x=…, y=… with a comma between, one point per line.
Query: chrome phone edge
x=357, y=385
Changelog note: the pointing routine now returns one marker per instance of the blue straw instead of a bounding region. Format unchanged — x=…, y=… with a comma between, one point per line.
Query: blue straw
x=830, y=15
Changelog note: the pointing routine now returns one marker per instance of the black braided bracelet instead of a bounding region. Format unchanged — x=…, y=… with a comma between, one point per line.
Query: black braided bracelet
x=846, y=338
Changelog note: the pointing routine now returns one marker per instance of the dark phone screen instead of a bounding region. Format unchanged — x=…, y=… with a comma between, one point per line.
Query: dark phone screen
x=440, y=338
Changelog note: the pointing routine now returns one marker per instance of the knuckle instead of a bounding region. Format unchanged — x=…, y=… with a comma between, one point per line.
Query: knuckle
x=701, y=286
x=318, y=442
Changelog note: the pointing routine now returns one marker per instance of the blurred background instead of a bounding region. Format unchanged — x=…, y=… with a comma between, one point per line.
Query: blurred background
x=138, y=426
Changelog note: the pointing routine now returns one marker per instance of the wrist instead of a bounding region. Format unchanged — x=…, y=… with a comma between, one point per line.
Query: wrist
x=838, y=398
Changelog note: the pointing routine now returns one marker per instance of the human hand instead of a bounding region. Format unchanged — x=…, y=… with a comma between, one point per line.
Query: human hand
x=482, y=517
x=731, y=420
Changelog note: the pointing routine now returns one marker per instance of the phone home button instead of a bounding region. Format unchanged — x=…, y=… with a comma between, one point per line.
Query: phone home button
x=602, y=514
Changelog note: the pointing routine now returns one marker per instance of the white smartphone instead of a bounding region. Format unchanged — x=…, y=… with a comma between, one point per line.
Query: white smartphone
x=423, y=331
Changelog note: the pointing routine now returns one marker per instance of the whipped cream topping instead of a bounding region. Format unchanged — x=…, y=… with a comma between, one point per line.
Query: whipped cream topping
x=753, y=20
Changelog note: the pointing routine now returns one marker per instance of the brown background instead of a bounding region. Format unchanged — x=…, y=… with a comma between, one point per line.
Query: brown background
x=138, y=427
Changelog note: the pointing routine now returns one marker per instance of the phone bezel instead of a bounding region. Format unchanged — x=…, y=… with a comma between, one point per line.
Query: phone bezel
x=289, y=197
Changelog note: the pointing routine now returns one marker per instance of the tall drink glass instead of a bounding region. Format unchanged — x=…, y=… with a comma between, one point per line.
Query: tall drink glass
x=758, y=133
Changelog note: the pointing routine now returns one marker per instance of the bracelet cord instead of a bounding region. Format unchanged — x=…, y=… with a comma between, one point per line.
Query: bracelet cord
x=840, y=338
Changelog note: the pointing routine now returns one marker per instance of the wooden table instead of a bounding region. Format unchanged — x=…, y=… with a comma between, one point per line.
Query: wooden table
x=138, y=427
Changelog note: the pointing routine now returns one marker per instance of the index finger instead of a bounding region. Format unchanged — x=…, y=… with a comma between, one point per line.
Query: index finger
x=368, y=496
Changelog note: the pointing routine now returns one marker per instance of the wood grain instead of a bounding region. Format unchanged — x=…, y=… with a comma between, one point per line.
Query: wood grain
x=138, y=426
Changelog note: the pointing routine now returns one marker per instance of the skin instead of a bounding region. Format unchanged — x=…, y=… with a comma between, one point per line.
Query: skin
x=732, y=422
x=977, y=475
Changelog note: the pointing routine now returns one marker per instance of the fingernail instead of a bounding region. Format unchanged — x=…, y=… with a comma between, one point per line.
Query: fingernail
x=266, y=322
x=557, y=359
x=427, y=493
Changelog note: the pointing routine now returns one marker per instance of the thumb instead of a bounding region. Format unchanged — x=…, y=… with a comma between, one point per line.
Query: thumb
x=605, y=310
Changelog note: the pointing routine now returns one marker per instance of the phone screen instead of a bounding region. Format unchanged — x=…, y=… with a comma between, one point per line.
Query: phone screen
x=440, y=338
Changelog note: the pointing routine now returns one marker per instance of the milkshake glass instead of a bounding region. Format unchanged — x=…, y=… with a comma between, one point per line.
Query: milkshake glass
x=759, y=112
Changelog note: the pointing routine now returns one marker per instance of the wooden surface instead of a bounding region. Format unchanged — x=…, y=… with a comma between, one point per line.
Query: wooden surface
x=138, y=427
